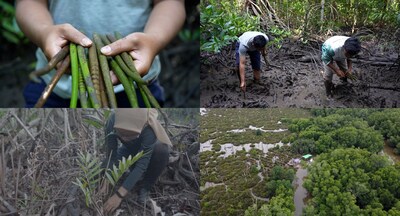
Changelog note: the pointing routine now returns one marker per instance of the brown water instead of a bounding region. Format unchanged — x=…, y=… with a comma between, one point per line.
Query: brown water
x=389, y=151
x=300, y=194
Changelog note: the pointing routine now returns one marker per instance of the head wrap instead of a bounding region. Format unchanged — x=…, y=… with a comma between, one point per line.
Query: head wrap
x=129, y=123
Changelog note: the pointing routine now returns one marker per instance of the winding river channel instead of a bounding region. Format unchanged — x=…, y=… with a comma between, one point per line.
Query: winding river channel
x=300, y=193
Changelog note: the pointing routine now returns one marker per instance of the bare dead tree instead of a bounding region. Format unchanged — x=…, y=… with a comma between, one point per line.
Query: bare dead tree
x=265, y=11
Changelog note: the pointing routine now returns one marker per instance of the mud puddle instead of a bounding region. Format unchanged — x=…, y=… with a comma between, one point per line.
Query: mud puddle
x=229, y=149
x=387, y=150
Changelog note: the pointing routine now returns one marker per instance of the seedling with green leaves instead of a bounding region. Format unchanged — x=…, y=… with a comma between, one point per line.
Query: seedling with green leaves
x=90, y=169
x=89, y=178
x=114, y=174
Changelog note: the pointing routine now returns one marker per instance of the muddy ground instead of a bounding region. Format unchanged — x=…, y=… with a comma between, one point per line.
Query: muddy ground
x=39, y=152
x=295, y=77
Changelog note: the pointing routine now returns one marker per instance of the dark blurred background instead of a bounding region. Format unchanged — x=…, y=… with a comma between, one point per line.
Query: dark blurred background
x=180, y=60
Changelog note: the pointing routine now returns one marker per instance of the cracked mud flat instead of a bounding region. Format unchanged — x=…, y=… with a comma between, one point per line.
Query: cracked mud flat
x=292, y=83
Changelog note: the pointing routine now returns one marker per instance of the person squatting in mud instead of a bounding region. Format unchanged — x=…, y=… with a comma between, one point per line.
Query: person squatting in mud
x=252, y=43
x=338, y=49
x=137, y=130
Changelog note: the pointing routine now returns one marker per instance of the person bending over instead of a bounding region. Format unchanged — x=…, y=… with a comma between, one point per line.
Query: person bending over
x=137, y=130
x=251, y=43
x=336, y=54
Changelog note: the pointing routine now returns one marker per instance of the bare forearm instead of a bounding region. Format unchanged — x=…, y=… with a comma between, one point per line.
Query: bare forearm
x=241, y=72
x=166, y=19
x=122, y=191
x=32, y=17
x=349, y=65
x=333, y=67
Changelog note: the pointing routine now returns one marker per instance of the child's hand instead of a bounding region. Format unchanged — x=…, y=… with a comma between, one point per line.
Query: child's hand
x=54, y=37
x=141, y=47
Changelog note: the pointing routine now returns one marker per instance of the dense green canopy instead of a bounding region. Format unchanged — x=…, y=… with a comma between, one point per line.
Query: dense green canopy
x=353, y=182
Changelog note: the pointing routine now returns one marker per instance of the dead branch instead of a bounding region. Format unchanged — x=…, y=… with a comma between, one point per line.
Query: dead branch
x=25, y=128
x=374, y=61
x=10, y=208
x=263, y=9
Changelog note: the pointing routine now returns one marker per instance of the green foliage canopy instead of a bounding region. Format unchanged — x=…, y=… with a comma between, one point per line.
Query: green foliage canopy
x=322, y=134
x=352, y=182
x=222, y=22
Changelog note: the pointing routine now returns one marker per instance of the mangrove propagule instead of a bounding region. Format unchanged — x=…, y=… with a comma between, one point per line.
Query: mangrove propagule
x=105, y=70
x=50, y=65
x=94, y=71
x=74, y=75
x=49, y=88
x=86, y=77
x=82, y=91
x=125, y=82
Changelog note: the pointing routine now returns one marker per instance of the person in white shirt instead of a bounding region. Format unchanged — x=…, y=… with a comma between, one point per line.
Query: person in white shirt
x=251, y=43
x=336, y=54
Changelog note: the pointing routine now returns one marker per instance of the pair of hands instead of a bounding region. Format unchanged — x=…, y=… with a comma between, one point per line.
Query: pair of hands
x=139, y=45
x=342, y=73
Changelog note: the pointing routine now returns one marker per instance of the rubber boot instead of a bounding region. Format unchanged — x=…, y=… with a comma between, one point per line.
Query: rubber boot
x=328, y=88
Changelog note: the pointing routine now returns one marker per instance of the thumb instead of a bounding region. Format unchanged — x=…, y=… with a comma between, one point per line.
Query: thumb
x=117, y=47
x=77, y=37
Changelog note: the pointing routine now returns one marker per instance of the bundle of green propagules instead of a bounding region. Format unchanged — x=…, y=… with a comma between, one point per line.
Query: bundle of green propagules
x=91, y=81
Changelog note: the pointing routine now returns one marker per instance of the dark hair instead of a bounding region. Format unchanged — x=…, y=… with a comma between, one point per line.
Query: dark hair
x=259, y=41
x=352, y=46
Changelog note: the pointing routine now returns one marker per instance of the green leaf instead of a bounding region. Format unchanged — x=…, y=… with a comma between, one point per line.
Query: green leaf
x=91, y=163
x=7, y=7
x=94, y=122
x=10, y=37
x=96, y=172
x=110, y=179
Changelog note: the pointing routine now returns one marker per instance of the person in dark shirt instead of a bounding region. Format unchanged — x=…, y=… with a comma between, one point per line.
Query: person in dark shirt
x=137, y=130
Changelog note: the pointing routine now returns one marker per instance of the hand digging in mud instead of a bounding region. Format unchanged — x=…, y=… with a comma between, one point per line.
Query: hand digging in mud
x=243, y=88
